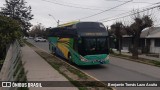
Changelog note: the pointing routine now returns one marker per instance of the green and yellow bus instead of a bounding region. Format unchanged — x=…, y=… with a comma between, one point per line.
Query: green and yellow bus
x=82, y=43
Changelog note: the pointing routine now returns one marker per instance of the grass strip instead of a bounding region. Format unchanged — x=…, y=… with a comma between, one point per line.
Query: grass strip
x=140, y=60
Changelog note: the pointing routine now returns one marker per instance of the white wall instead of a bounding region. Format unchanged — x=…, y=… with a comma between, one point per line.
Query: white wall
x=154, y=49
x=125, y=48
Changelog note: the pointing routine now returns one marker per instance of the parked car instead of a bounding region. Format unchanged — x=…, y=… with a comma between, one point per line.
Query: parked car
x=40, y=39
x=30, y=37
x=25, y=38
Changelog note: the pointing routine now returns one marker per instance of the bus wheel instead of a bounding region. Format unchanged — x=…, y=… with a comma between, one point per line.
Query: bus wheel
x=54, y=51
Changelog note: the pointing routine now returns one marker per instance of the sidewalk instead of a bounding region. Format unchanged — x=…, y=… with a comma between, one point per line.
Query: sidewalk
x=39, y=70
x=141, y=56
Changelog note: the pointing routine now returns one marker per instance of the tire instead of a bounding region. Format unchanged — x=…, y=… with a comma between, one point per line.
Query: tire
x=54, y=51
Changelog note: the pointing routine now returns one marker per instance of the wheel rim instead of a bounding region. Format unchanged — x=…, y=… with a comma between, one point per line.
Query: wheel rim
x=70, y=58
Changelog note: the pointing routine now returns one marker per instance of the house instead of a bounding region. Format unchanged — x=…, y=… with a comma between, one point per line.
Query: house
x=149, y=40
x=152, y=35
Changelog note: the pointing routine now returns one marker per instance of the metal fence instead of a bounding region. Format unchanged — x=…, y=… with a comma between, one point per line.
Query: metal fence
x=12, y=69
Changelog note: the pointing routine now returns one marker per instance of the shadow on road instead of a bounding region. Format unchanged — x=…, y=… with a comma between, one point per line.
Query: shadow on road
x=90, y=67
x=83, y=67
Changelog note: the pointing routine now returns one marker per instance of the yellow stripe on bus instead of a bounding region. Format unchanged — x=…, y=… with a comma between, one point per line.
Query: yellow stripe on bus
x=63, y=49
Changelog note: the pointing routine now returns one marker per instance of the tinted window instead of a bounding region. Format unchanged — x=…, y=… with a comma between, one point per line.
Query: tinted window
x=157, y=42
x=90, y=25
x=93, y=45
x=62, y=32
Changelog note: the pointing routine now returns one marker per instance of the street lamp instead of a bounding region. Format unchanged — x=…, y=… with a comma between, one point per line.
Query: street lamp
x=57, y=21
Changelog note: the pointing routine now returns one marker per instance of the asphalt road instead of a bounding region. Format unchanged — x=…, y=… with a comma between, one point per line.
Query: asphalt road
x=118, y=70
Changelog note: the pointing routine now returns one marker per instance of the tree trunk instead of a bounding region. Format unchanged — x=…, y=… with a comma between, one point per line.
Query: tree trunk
x=117, y=44
x=135, y=47
x=120, y=45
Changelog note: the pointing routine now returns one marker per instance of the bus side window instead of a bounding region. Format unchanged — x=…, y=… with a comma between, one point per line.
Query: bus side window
x=75, y=44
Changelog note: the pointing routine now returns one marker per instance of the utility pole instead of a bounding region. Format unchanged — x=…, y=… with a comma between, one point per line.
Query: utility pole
x=57, y=21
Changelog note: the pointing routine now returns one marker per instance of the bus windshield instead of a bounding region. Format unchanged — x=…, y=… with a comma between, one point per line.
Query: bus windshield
x=93, y=45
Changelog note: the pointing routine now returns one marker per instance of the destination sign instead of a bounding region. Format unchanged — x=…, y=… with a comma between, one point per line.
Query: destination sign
x=93, y=34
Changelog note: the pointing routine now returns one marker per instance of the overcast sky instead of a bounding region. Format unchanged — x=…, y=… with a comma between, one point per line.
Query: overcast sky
x=70, y=10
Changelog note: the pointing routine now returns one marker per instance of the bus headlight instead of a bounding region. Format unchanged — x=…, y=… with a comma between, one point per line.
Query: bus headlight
x=107, y=58
x=83, y=59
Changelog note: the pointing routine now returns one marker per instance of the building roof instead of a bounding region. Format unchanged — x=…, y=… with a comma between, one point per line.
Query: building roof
x=152, y=32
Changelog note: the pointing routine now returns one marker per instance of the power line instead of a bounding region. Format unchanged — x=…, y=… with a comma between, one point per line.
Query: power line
x=97, y=8
x=129, y=11
x=79, y=4
x=132, y=2
x=105, y=10
x=133, y=13
x=71, y=5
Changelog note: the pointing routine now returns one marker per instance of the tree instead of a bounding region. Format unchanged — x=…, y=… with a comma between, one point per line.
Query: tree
x=117, y=30
x=18, y=10
x=38, y=30
x=135, y=30
x=9, y=31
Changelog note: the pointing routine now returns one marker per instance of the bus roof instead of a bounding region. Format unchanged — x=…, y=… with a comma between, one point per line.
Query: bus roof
x=80, y=29
x=91, y=29
x=68, y=24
